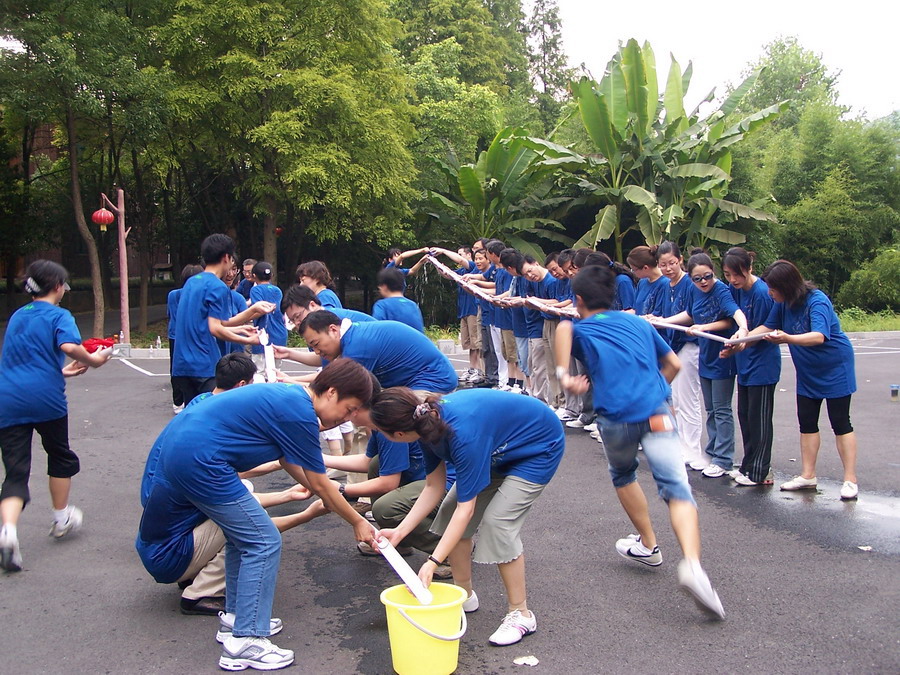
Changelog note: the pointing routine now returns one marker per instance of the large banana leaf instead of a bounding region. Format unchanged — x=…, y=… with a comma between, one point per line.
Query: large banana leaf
x=757, y=119
x=612, y=86
x=649, y=227
x=636, y=93
x=604, y=226
x=698, y=170
x=652, y=82
x=742, y=211
x=726, y=236
x=595, y=117
x=471, y=188
x=673, y=98
x=686, y=78
x=497, y=153
x=731, y=103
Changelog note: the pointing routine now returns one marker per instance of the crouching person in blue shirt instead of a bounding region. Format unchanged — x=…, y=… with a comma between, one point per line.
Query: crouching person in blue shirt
x=501, y=470
x=631, y=367
x=196, y=477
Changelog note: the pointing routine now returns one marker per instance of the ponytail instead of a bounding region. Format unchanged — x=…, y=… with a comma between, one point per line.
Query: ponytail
x=739, y=260
x=601, y=259
x=643, y=256
x=399, y=409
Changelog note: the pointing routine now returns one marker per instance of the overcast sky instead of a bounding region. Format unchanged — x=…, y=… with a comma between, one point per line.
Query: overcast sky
x=858, y=38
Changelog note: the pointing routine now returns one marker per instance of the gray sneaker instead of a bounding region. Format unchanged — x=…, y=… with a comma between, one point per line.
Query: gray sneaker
x=71, y=526
x=627, y=549
x=694, y=582
x=254, y=652
x=10, y=556
x=226, y=626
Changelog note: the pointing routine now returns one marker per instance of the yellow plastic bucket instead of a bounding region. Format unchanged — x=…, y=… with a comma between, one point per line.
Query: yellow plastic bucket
x=425, y=638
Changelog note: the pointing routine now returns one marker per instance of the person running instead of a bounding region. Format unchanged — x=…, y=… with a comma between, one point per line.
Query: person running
x=758, y=370
x=713, y=310
x=172, y=315
x=316, y=276
x=823, y=358
x=501, y=470
x=393, y=306
x=39, y=337
x=631, y=367
x=395, y=353
x=202, y=451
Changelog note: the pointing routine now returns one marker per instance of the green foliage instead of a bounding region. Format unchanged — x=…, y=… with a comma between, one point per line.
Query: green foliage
x=548, y=61
x=876, y=285
x=856, y=320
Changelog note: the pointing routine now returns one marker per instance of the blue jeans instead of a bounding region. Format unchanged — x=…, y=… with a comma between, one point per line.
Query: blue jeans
x=661, y=448
x=717, y=396
x=252, y=556
x=522, y=353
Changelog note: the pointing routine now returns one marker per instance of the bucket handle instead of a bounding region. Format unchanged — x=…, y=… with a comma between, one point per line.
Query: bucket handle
x=451, y=638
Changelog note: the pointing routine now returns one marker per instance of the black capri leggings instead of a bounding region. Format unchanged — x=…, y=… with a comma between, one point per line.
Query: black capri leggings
x=838, y=414
x=15, y=443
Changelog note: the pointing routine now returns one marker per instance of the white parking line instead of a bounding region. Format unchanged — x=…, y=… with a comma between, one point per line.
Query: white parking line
x=141, y=370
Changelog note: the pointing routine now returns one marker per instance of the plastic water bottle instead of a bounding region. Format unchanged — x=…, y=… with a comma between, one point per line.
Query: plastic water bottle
x=405, y=572
x=158, y=342
x=121, y=337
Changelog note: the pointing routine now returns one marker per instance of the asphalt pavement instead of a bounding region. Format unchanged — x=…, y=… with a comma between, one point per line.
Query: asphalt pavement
x=810, y=584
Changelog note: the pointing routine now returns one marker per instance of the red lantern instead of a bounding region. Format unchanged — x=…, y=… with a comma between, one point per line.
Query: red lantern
x=278, y=231
x=103, y=217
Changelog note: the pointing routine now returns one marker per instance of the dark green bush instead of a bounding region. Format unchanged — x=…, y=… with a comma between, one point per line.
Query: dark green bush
x=876, y=285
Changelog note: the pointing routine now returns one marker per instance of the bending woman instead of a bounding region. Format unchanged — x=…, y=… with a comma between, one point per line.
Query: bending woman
x=823, y=358
x=501, y=469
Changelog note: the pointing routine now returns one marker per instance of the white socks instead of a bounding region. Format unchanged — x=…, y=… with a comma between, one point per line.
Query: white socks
x=9, y=531
x=61, y=516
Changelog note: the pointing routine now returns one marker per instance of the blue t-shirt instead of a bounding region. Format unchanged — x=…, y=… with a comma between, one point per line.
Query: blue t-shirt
x=564, y=292
x=677, y=299
x=204, y=295
x=502, y=315
x=171, y=311
x=709, y=307
x=399, y=356
x=624, y=293
x=547, y=289
x=534, y=318
x=403, y=270
x=403, y=458
x=826, y=370
x=244, y=288
x=200, y=453
x=466, y=303
x=273, y=323
x=399, y=309
x=647, y=296
x=32, y=386
x=487, y=309
x=621, y=352
x=496, y=433
x=351, y=314
x=760, y=362
x=328, y=299
x=238, y=305
x=518, y=289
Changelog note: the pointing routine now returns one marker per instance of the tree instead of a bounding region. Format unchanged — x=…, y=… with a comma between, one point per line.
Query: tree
x=548, y=61
x=655, y=168
x=875, y=286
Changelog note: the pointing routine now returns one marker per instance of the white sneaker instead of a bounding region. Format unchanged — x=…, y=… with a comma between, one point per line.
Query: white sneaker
x=632, y=548
x=734, y=473
x=591, y=428
x=514, y=627
x=516, y=389
x=714, y=471
x=575, y=424
x=693, y=581
x=10, y=556
x=596, y=435
x=741, y=479
x=565, y=415
x=253, y=652
x=177, y=408
x=697, y=465
x=849, y=490
x=71, y=526
x=470, y=604
x=226, y=625
x=800, y=483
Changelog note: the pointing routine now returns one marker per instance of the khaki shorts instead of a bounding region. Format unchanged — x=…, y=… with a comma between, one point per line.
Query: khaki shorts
x=469, y=332
x=500, y=511
x=508, y=346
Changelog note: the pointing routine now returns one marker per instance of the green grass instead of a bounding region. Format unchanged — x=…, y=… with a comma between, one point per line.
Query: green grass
x=856, y=320
x=440, y=333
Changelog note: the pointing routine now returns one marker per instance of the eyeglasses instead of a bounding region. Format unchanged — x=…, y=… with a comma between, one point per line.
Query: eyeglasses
x=706, y=277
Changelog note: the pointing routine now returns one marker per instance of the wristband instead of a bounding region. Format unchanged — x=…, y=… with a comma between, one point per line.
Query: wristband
x=342, y=488
x=560, y=372
x=435, y=560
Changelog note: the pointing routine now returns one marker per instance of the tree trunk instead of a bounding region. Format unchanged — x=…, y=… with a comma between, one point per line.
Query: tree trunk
x=270, y=245
x=144, y=238
x=93, y=256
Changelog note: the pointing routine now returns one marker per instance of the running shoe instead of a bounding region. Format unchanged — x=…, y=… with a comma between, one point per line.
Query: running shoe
x=226, y=625
x=800, y=483
x=565, y=415
x=470, y=604
x=10, y=556
x=591, y=428
x=849, y=490
x=714, y=471
x=694, y=582
x=253, y=652
x=514, y=627
x=697, y=465
x=631, y=548
x=71, y=526
x=576, y=423
x=741, y=479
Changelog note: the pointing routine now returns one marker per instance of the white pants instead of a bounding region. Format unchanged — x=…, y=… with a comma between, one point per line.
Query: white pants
x=502, y=365
x=689, y=403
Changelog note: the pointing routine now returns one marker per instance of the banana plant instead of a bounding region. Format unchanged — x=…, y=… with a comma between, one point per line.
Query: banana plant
x=658, y=169
x=499, y=194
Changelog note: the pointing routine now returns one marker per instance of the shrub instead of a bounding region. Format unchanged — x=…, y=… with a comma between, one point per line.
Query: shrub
x=876, y=285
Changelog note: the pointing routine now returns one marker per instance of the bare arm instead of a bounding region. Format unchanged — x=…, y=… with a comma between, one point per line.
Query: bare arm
x=82, y=355
x=305, y=357
x=253, y=311
x=669, y=365
x=415, y=268
x=222, y=332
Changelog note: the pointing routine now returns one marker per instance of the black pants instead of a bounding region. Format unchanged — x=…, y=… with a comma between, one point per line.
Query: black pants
x=755, y=408
x=838, y=414
x=177, y=396
x=491, y=365
x=191, y=387
x=15, y=443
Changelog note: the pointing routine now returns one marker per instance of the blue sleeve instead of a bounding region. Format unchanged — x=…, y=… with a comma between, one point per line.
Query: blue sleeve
x=820, y=316
x=726, y=300
x=66, y=329
x=432, y=461
x=378, y=311
x=775, y=320
x=218, y=300
x=662, y=347
x=624, y=291
x=393, y=457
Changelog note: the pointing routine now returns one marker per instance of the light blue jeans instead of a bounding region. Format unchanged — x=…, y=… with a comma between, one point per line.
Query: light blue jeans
x=522, y=353
x=252, y=557
x=661, y=448
x=717, y=395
